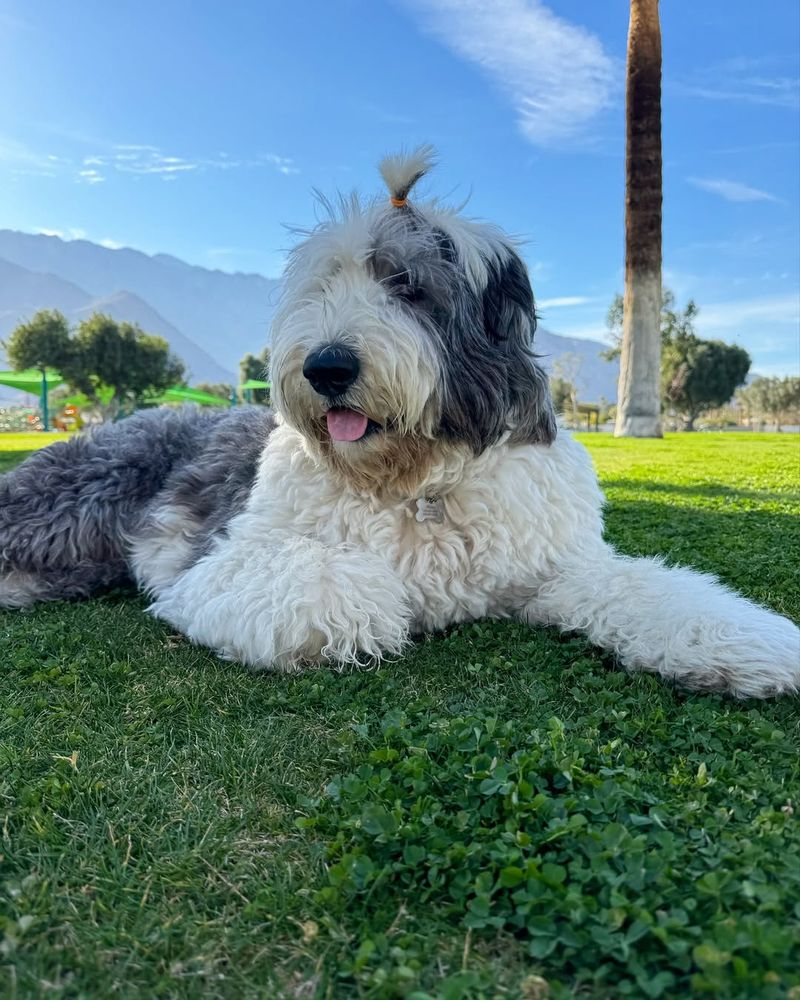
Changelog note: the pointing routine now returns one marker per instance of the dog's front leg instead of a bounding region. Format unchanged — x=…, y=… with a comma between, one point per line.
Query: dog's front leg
x=289, y=600
x=673, y=621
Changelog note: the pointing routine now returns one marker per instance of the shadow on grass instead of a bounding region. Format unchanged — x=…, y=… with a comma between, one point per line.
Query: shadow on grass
x=711, y=490
x=754, y=551
x=8, y=459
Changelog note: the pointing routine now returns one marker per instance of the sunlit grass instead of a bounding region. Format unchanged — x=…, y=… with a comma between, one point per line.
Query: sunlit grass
x=174, y=826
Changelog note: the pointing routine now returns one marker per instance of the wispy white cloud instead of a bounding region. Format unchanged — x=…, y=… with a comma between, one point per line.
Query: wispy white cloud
x=23, y=160
x=62, y=234
x=779, y=93
x=743, y=80
x=749, y=244
x=76, y=233
x=588, y=331
x=731, y=190
x=137, y=159
x=556, y=73
x=141, y=159
x=282, y=164
x=782, y=310
x=91, y=176
x=134, y=147
x=133, y=159
x=540, y=270
x=564, y=300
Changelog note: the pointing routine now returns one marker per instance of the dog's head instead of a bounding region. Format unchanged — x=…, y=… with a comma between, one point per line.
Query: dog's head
x=406, y=329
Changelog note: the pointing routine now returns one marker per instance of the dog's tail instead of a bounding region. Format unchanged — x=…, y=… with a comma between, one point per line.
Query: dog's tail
x=66, y=511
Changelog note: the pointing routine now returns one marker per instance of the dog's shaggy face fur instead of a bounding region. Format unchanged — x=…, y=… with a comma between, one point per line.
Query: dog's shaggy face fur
x=413, y=479
x=439, y=313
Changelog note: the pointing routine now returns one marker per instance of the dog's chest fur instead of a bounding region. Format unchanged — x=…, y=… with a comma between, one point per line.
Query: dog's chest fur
x=464, y=561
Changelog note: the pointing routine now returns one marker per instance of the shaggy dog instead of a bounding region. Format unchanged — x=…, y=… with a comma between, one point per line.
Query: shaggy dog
x=413, y=477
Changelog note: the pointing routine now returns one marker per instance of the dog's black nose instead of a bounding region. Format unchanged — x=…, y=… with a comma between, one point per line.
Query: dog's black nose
x=331, y=370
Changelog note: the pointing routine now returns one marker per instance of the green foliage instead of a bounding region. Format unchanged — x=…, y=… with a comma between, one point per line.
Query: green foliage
x=221, y=389
x=174, y=826
x=775, y=399
x=43, y=342
x=123, y=357
x=256, y=366
x=572, y=837
x=674, y=322
x=697, y=375
x=564, y=394
x=102, y=358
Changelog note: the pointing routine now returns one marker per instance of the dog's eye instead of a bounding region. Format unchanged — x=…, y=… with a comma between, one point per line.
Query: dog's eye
x=414, y=293
x=404, y=287
x=410, y=292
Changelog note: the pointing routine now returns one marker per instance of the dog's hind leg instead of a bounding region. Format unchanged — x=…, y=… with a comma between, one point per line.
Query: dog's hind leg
x=19, y=589
x=67, y=511
x=672, y=621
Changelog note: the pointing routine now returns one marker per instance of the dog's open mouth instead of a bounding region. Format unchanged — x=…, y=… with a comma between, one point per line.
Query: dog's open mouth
x=349, y=425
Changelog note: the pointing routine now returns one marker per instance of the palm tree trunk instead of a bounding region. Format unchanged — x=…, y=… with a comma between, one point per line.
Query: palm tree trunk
x=639, y=403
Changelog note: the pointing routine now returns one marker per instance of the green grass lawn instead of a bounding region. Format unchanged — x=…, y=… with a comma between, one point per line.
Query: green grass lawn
x=499, y=809
x=15, y=447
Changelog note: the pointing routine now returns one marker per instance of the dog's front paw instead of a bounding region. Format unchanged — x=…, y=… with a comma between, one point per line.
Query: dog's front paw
x=300, y=603
x=349, y=609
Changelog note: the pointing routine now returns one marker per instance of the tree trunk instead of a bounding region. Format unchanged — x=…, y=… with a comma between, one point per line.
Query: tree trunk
x=688, y=423
x=639, y=403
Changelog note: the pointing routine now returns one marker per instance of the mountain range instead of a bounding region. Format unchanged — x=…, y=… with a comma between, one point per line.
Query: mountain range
x=210, y=318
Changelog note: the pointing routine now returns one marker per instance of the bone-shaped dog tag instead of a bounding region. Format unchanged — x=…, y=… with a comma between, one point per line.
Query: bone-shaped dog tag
x=430, y=509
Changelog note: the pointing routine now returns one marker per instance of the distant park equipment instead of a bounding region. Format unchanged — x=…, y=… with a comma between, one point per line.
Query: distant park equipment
x=589, y=410
x=185, y=394
x=246, y=388
x=69, y=419
x=37, y=381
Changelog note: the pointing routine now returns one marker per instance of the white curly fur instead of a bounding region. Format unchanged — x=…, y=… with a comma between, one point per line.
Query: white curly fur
x=314, y=572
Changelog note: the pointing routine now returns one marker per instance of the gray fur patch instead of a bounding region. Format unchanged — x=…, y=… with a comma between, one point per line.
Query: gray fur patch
x=67, y=513
x=485, y=341
x=213, y=487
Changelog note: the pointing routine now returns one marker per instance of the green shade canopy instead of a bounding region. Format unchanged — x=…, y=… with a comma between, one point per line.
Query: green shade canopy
x=31, y=380
x=184, y=394
x=254, y=383
x=104, y=393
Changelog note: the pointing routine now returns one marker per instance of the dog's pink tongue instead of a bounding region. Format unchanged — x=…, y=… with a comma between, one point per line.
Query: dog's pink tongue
x=346, y=425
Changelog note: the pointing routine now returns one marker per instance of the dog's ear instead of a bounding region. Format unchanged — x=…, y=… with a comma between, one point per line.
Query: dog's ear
x=509, y=320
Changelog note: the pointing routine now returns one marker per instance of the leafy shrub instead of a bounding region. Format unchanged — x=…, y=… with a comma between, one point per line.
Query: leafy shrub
x=583, y=847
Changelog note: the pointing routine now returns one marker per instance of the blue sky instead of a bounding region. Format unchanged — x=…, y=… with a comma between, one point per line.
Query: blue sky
x=199, y=128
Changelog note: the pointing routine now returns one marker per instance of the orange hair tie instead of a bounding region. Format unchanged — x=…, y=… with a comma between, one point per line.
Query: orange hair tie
x=399, y=202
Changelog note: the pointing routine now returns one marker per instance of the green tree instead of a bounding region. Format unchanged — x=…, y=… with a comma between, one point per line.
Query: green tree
x=673, y=322
x=125, y=358
x=256, y=366
x=221, y=389
x=42, y=342
x=698, y=375
x=773, y=398
x=564, y=395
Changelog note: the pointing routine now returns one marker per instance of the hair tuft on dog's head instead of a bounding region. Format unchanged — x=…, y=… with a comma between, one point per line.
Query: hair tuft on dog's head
x=402, y=171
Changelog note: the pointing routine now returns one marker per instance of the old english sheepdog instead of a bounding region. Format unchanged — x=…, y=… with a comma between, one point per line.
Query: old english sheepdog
x=413, y=476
